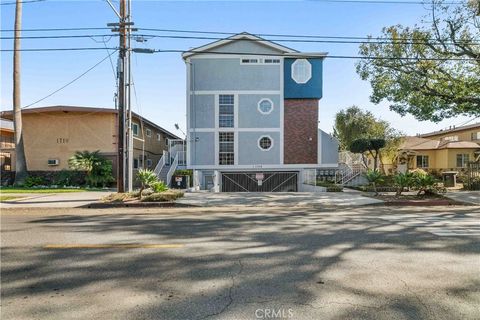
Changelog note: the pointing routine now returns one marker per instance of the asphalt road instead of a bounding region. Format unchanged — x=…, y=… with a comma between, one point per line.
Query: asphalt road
x=255, y=263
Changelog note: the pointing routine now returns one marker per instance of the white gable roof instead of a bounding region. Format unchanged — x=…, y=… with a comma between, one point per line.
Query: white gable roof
x=241, y=36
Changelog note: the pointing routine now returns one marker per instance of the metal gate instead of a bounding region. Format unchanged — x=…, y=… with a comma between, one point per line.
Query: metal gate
x=473, y=176
x=259, y=181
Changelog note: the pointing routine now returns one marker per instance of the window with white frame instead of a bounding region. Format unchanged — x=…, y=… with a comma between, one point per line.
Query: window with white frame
x=476, y=135
x=462, y=160
x=422, y=161
x=226, y=154
x=226, y=104
x=135, y=129
x=301, y=71
x=148, y=132
x=265, y=106
x=271, y=61
x=265, y=143
x=159, y=137
x=250, y=61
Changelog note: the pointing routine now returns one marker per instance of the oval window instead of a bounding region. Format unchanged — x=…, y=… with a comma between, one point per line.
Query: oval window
x=265, y=143
x=265, y=106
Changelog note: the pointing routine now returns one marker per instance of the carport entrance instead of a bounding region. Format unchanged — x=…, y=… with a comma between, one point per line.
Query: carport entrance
x=259, y=181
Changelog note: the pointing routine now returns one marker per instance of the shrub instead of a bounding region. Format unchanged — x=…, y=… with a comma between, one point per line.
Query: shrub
x=169, y=195
x=69, y=178
x=98, y=168
x=424, y=182
x=158, y=186
x=374, y=177
x=147, y=179
x=402, y=181
x=31, y=181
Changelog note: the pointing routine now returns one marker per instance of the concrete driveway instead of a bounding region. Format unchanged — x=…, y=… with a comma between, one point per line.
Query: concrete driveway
x=233, y=263
x=276, y=199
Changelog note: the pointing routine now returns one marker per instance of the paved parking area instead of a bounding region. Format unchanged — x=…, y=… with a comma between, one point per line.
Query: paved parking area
x=241, y=263
x=276, y=199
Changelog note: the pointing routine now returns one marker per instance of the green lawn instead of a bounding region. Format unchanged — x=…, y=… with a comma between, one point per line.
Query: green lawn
x=6, y=198
x=41, y=190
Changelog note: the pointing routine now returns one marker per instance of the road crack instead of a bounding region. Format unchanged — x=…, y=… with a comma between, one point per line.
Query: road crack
x=230, y=293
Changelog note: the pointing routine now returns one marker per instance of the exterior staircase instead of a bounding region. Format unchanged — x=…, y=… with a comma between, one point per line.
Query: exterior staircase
x=163, y=174
x=351, y=170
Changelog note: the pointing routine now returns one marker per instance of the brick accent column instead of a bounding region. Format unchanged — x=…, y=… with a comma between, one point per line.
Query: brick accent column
x=300, y=131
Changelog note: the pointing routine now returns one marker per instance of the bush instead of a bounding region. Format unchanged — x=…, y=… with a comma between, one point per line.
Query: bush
x=98, y=168
x=147, y=178
x=158, y=186
x=169, y=195
x=34, y=182
x=402, y=181
x=374, y=177
x=330, y=186
x=69, y=178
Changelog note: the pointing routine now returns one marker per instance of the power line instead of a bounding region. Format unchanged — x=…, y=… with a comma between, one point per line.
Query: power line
x=312, y=55
x=57, y=49
x=371, y=40
x=69, y=83
x=60, y=36
x=305, y=40
x=58, y=29
x=26, y=1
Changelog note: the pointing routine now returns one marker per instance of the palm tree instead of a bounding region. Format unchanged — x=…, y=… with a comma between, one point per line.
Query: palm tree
x=20, y=162
x=98, y=169
x=147, y=178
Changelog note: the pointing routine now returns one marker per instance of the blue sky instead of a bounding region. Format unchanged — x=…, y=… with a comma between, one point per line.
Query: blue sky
x=160, y=78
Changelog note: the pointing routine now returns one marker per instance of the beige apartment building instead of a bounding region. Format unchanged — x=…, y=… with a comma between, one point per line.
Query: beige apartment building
x=53, y=134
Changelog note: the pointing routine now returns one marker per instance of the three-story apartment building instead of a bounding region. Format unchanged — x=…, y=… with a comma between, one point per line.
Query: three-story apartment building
x=252, y=116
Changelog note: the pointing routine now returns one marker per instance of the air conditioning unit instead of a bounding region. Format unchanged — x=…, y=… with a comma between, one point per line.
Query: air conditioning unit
x=53, y=162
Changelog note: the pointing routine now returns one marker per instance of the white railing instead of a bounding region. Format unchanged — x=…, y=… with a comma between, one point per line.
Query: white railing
x=310, y=177
x=160, y=164
x=172, y=169
x=347, y=173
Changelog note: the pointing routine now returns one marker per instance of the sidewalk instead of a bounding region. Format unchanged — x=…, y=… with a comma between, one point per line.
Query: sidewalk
x=55, y=200
x=470, y=197
x=276, y=199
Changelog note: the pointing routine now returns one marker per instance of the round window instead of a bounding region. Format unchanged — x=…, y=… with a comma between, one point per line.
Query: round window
x=265, y=106
x=265, y=143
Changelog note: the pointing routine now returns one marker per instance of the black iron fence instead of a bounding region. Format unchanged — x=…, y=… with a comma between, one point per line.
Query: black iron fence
x=473, y=176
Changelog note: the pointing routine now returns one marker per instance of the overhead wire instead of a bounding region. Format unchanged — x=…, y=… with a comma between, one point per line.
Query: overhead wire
x=70, y=82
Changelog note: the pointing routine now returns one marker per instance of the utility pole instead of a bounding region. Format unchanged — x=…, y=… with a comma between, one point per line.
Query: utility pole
x=20, y=161
x=124, y=141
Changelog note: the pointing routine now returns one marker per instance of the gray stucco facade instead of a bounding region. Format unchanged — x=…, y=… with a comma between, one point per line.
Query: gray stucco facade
x=251, y=79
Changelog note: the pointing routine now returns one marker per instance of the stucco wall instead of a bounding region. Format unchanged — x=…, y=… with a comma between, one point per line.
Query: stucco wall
x=250, y=117
x=251, y=154
x=229, y=74
x=201, y=148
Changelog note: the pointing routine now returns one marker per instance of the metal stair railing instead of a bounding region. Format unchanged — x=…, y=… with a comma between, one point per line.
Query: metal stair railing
x=160, y=164
x=172, y=169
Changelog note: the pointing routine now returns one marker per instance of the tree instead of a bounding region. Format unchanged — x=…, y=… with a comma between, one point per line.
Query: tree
x=147, y=178
x=97, y=168
x=371, y=146
x=431, y=72
x=354, y=123
x=20, y=160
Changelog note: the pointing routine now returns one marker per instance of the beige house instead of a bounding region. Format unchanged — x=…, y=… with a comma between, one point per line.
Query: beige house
x=53, y=134
x=444, y=150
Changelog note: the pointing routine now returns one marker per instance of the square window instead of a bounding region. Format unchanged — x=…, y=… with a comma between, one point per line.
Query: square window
x=149, y=133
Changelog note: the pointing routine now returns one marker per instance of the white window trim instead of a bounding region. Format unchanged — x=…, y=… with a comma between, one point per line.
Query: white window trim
x=265, y=136
x=138, y=128
x=259, y=60
x=159, y=137
x=309, y=73
x=148, y=132
x=260, y=110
